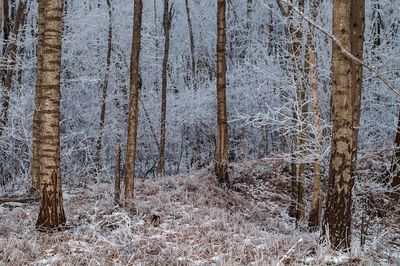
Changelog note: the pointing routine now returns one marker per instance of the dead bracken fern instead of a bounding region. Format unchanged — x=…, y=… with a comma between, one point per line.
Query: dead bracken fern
x=181, y=220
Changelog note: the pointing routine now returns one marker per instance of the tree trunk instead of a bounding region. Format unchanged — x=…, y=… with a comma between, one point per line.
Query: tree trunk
x=133, y=107
x=270, y=32
x=357, y=22
x=311, y=57
x=221, y=161
x=377, y=26
x=6, y=22
x=191, y=39
x=105, y=89
x=337, y=218
x=297, y=209
x=167, y=26
x=51, y=212
x=9, y=59
x=396, y=159
x=38, y=104
x=316, y=195
x=249, y=13
x=117, y=189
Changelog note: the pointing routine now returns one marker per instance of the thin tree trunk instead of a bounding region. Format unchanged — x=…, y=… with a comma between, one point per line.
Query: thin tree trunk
x=105, y=88
x=117, y=189
x=313, y=221
x=270, y=32
x=51, y=212
x=221, y=162
x=357, y=22
x=1, y=16
x=301, y=134
x=133, y=107
x=396, y=159
x=6, y=22
x=311, y=58
x=9, y=58
x=167, y=25
x=249, y=13
x=192, y=47
x=337, y=218
x=297, y=209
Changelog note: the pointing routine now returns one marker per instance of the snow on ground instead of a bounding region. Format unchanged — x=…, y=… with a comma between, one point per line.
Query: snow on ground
x=201, y=224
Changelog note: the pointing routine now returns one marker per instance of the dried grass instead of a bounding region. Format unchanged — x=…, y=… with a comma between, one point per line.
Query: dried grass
x=200, y=224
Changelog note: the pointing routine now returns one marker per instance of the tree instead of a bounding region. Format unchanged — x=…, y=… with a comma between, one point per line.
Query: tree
x=311, y=57
x=133, y=106
x=396, y=158
x=6, y=22
x=357, y=22
x=51, y=212
x=36, y=115
x=221, y=160
x=105, y=87
x=9, y=58
x=191, y=39
x=167, y=27
x=337, y=218
x=295, y=35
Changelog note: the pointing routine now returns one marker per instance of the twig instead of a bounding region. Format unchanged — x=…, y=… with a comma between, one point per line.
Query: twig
x=290, y=250
x=347, y=53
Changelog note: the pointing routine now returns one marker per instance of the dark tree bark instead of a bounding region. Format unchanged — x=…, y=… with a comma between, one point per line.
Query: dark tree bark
x=130, y=160
x=191, y=39
x=6, y=22
x=117, y=188
x=167, y=27
x=396, y=158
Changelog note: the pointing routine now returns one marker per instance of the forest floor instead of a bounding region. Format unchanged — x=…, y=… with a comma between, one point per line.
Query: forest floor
x=200, y=224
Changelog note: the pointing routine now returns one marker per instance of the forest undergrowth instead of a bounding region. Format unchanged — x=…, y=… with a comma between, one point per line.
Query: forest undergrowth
x=188, y=219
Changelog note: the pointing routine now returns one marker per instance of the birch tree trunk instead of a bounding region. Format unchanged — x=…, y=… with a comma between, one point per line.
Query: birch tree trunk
x=130, y=158
x=221, y=161
x=51, y=212
x=337, y=218
x=38, y=92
